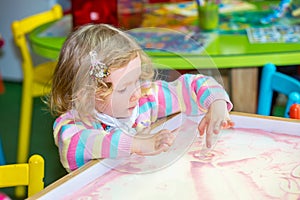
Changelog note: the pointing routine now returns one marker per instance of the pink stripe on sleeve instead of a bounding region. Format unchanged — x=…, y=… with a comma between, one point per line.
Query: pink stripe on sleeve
x=161, y=100
x=124, y=148
x=144, y=100
x=175, y=100
x=88, y=151
x=71, y=154
x=106, y=145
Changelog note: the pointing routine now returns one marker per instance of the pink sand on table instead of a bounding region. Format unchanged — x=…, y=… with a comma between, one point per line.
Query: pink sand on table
x=244, y=164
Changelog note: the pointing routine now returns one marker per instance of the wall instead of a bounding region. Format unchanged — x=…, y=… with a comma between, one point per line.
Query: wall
x=10, y=61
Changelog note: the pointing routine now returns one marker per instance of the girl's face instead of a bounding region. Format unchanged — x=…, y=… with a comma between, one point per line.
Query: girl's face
x=126, y=90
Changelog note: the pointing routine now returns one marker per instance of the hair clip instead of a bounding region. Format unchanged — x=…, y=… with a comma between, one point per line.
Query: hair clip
x=98, y=69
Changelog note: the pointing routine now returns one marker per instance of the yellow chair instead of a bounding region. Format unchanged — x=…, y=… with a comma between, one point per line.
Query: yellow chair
x=36, y=79
x=29, y=174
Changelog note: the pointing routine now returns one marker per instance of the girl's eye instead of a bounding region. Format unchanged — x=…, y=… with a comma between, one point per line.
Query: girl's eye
x=122, y=90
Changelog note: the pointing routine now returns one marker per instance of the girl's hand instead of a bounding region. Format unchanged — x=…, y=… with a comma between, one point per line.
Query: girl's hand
x=216, y=118
x=147, y=144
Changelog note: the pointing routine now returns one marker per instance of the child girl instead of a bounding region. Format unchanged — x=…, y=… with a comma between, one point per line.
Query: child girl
x=105, y=100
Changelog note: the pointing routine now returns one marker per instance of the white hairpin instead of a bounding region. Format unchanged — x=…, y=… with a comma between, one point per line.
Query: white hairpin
x=98, y=69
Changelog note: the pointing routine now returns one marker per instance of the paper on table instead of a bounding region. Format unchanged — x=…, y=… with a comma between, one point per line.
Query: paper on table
x=189, y=9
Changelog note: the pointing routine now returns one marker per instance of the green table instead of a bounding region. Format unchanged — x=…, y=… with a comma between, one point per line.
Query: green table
x=228, y=50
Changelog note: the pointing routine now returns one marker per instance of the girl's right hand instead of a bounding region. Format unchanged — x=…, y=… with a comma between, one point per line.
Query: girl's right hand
x=147, y=144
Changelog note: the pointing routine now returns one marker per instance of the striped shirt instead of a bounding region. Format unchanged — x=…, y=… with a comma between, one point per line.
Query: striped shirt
x=79, y=142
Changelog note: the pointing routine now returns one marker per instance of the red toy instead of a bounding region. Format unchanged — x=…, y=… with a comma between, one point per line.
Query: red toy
x=94, y=11
x=1, y=42
x=295, y=111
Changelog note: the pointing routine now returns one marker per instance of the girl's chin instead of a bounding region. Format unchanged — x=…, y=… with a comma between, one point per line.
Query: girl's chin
x=128, y=113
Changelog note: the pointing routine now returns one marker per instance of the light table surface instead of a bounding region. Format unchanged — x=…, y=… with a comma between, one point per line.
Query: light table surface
x=257, y=159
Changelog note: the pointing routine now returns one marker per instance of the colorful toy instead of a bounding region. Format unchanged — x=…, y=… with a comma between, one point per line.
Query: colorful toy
x=295, y=111
x=278, y=12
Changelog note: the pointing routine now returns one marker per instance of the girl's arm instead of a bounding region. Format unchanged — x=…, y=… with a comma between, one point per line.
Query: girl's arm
x=191, y=94
x=146, y=144
x=79, y=143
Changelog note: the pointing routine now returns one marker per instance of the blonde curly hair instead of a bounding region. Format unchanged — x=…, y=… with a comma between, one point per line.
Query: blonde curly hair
x=72, y=86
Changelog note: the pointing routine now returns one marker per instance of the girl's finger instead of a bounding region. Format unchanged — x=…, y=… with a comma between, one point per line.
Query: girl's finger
x=164, y=147
x=202, y=126
x=218, y=125
x=161, y=134
x=227, y=124
x=231, y=124
x=169, y=139
x=209, y=134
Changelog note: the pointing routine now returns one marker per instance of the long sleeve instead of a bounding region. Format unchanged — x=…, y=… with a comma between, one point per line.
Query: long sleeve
x=79, y=143
x=191, y=94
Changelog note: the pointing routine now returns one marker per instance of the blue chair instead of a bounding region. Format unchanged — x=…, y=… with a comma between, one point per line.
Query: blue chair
x=2, y=157
x=272, y=81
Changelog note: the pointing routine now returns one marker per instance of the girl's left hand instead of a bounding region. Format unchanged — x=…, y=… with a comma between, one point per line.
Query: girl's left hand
x=146, y=144
x=216, y=118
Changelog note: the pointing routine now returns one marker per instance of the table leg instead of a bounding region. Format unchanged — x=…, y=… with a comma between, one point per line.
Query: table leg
x=244, y=89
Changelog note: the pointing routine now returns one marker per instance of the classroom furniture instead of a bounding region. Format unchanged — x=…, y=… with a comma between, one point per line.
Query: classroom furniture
x=93, y=171
x=30, y=174
x=274, y=81
x=225, y=51
x=295, y=111
x=36, y=79
x=2, y=89
x=2, y=155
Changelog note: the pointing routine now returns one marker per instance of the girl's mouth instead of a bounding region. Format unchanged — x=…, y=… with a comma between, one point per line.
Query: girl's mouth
x=131, y=108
